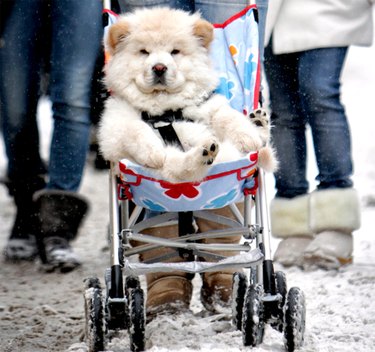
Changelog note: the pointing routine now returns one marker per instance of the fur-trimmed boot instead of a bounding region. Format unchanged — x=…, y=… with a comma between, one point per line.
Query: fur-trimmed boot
x=335, y=214
x=216, y=291
x=290, y=221
x=21, y=244
x=60, y=216
x=167, y=292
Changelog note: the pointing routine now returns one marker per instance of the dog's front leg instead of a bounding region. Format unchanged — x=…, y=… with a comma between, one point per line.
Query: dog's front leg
x=131, y=139
x=231, y=125
x=144, y=146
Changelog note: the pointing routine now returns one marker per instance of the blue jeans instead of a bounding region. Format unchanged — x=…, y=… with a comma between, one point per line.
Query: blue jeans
x=215, y=11
x=305, y=89
x=62, y=37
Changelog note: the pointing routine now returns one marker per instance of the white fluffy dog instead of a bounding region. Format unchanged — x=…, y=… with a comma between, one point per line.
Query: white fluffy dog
x=160, y=67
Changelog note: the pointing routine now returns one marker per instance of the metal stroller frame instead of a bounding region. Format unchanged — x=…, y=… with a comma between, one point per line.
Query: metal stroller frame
x=259, y=297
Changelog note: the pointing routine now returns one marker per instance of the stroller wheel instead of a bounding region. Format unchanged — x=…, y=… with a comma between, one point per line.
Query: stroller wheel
x=94, y=314
x=239, y=288
x=137, y=319
x=253, y=317
x=295, y=314
x=281, y=288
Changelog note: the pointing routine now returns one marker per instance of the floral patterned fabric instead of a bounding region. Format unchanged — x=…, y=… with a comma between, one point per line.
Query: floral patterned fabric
x=226, y=183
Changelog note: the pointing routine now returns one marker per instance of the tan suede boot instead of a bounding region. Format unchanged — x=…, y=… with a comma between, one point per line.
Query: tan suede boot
x=216, y=290
x=290, y=221
x=167, y=292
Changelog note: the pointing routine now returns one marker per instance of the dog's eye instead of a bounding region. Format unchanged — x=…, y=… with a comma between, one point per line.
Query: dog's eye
x=144, y=51
x=175, y=52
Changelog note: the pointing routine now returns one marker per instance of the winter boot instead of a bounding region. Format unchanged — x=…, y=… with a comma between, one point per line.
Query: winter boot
x=335, y=214
x=216, y=291
x=290, y=222
x=60, y=215
x=21, y=243
x=167, y=292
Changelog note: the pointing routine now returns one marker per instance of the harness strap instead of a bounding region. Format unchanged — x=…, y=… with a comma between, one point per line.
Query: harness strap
x=163, y=123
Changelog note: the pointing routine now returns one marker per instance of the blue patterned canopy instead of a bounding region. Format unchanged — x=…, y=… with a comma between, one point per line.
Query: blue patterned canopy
x=235, y=54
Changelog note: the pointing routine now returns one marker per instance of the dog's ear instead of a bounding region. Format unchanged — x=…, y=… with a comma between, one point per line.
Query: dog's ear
x=204, y=30
x=116, y=32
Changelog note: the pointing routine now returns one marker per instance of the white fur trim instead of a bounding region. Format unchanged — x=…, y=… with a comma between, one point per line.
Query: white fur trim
x=335, y=209
x=290, y=217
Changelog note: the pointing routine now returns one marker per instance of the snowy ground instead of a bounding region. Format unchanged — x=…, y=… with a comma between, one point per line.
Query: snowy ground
x=44, y=312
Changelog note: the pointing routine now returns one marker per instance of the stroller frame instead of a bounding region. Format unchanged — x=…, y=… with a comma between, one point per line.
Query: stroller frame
x=259, y=297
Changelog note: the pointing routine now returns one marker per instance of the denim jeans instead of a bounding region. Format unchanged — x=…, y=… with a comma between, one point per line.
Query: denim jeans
x=305, y=90
x=62, y=37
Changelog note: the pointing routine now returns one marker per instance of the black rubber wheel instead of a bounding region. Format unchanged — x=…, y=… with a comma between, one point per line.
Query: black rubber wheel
x=253, y=317
x=294, y=322
x=281, y=288
x=137, y=319
x=131, y=283
x=94, y=314
x=239, y=287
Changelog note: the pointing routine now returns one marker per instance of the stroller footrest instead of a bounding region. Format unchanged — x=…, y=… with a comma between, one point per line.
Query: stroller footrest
x=242, y=260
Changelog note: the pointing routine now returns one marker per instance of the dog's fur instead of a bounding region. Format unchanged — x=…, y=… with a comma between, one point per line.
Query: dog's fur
x=160, y=62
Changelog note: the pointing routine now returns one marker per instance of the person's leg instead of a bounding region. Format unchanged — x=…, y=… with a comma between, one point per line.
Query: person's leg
x=262, y=6
x=76, y=38
x=19, y=88
x=20, y=58
x=289, y=211
x=319, y=80
x=72, y=67
x=289, y=123
x=334, y=207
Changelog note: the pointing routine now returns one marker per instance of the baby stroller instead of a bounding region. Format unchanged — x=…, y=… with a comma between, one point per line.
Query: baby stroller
x=260, y=295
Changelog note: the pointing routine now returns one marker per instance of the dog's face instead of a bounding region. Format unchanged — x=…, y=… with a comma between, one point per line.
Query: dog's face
x=160, y=52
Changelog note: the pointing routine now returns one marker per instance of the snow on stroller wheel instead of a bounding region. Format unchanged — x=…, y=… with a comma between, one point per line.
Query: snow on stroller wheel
x=239, y=288
x=281, y=288
x=94, y=314
x=253, y=317
x=295, y=314
x=137, y=319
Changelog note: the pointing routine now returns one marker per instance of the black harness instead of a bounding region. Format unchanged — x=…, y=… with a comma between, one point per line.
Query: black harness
x=163, y=123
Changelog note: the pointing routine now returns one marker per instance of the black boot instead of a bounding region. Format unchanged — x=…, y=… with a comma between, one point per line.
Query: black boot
x=21, y=243
x=60, y=215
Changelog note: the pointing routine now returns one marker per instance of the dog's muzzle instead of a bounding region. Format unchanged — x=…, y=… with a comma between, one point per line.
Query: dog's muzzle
x=159, y=71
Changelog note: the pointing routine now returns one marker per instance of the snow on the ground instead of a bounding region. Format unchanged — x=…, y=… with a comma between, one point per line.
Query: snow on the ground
x=44, y=312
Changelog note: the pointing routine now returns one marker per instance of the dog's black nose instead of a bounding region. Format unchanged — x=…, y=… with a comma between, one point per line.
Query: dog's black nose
x=159, y=69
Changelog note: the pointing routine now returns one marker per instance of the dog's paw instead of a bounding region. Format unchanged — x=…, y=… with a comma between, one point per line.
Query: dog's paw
x=260, y=118
x=208, y=152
